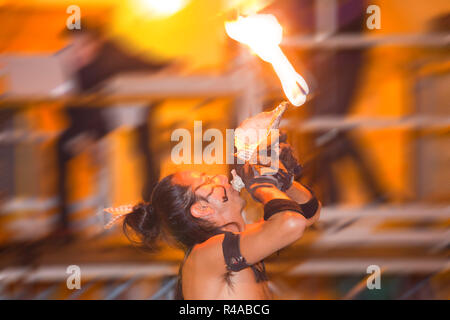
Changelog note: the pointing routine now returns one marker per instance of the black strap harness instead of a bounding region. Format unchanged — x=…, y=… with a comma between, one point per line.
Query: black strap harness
x=235, y=261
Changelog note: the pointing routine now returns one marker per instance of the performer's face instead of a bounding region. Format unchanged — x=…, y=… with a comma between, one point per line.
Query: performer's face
x=219, y=203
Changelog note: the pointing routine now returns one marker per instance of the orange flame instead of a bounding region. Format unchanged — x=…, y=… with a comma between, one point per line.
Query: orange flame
x=263, y=34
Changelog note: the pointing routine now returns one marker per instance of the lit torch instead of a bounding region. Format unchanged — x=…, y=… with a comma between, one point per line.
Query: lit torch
x=263, y=34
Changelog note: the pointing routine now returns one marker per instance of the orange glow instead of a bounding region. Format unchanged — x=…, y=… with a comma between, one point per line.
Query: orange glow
x=161, y=8
x=263, y=34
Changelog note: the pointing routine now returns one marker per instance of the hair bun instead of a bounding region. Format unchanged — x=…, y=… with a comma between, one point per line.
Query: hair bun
x=144, y=223
x=143, y=207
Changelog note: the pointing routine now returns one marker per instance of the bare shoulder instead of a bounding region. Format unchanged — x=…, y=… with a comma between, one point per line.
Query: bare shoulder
x=208, y=256
x=204, y=269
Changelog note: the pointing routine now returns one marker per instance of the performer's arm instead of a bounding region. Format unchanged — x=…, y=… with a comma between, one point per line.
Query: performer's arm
x=285, y=219
x=280, y=229
x=306, y=197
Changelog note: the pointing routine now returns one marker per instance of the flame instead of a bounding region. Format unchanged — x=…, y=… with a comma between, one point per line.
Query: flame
x=161, y=8
x=263, y=34
x=247, y=7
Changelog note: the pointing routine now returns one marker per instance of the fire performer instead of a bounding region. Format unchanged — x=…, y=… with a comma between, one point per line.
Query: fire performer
x=203, y=213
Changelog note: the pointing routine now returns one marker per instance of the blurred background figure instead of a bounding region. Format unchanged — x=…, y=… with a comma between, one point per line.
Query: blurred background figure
x=92, y=59
x=335, y=76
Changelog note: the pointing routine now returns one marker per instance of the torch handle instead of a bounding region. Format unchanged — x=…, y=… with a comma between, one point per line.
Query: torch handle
x=277, y=114
x=246, y=154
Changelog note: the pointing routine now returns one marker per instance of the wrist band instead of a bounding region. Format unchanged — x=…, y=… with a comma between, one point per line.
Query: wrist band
x=310, y=208
x=278, y=205
x=307, y=209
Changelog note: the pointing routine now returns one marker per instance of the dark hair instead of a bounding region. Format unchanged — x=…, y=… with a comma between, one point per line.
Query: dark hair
x=167, y=214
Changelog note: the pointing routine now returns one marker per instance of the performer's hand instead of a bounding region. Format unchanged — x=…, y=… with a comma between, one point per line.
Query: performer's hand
x=288, y=158
x=257, y=176
x=261, y=171
x=285, y=154
x=265, y=162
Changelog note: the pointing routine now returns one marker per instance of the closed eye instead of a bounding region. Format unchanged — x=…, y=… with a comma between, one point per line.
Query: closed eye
x=210, y=181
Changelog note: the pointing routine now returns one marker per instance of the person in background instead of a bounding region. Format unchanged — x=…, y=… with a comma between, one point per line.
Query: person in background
x=336, y=71
x=91, y=59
